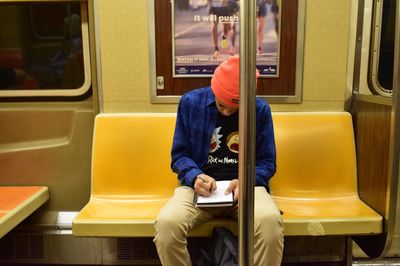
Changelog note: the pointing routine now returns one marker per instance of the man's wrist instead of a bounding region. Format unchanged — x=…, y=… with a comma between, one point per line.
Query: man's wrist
x=195, y=178
x=202, y=178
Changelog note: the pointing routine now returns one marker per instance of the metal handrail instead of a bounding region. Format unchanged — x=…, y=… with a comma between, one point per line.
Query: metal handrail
x=247, y=130
x=394, y=162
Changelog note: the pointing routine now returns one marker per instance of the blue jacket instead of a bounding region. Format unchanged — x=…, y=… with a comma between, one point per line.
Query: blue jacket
x=195, y=122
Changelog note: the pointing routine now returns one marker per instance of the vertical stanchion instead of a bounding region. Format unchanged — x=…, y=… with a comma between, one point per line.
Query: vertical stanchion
x=247, y=113
x=394, y=158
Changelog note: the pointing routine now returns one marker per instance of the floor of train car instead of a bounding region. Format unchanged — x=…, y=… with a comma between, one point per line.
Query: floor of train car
x=391, y=262
x=359, y=262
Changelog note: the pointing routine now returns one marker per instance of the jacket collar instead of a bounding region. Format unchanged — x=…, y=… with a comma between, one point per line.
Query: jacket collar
x=210, y=97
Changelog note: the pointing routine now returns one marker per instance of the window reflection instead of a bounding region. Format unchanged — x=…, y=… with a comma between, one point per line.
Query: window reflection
x=386, y=49
x=41, y=46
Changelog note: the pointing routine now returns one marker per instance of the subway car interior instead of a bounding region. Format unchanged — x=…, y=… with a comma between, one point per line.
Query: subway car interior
x=81, y=80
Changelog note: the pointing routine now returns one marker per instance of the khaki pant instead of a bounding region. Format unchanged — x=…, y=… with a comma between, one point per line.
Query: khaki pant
x=179, y=216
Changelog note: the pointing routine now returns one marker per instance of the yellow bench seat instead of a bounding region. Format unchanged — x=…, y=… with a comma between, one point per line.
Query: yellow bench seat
x=107, y=217
x=315, y=185
x=341, y=216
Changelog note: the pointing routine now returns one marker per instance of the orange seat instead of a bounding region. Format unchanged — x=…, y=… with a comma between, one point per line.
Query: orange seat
x=17, y=203
x=315, y=179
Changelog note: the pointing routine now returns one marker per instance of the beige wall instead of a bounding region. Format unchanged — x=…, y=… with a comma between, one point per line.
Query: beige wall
x=125, y=57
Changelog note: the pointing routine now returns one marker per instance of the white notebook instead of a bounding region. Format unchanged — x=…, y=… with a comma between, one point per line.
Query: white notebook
x=217, y=198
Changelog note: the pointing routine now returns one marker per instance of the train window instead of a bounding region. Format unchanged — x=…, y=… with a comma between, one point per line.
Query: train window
x=44, y=49
x=382, y=52
x=184, y=36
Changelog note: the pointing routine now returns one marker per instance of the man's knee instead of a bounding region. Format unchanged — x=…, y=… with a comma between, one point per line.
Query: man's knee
x=169, y=229
x=269, y=227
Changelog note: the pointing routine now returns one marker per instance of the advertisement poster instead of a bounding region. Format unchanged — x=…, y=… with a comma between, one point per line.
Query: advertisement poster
x=206, y=32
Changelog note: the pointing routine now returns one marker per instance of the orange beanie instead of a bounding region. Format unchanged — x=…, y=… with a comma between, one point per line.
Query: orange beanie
x=225, y=82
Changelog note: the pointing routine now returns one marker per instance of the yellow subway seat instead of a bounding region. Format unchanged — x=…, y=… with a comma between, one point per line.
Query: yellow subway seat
x=315, y=185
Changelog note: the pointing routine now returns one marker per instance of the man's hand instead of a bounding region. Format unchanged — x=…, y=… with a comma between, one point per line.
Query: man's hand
x=233, y=186
x=204, y=185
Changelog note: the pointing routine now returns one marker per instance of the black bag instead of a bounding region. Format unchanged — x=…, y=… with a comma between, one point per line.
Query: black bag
x=223, y=250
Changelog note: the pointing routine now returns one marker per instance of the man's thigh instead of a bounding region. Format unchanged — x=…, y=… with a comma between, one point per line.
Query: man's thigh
x=181, y=210
x=264, y=205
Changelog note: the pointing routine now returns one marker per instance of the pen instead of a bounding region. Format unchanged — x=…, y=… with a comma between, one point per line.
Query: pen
x=203, y=179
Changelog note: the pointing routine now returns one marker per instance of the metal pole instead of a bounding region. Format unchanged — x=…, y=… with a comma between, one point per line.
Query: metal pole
x=247, y=113
x=394, y=160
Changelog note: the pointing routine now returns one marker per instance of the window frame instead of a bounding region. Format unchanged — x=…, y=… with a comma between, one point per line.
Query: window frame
x=375, y=51
x=86, y=86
